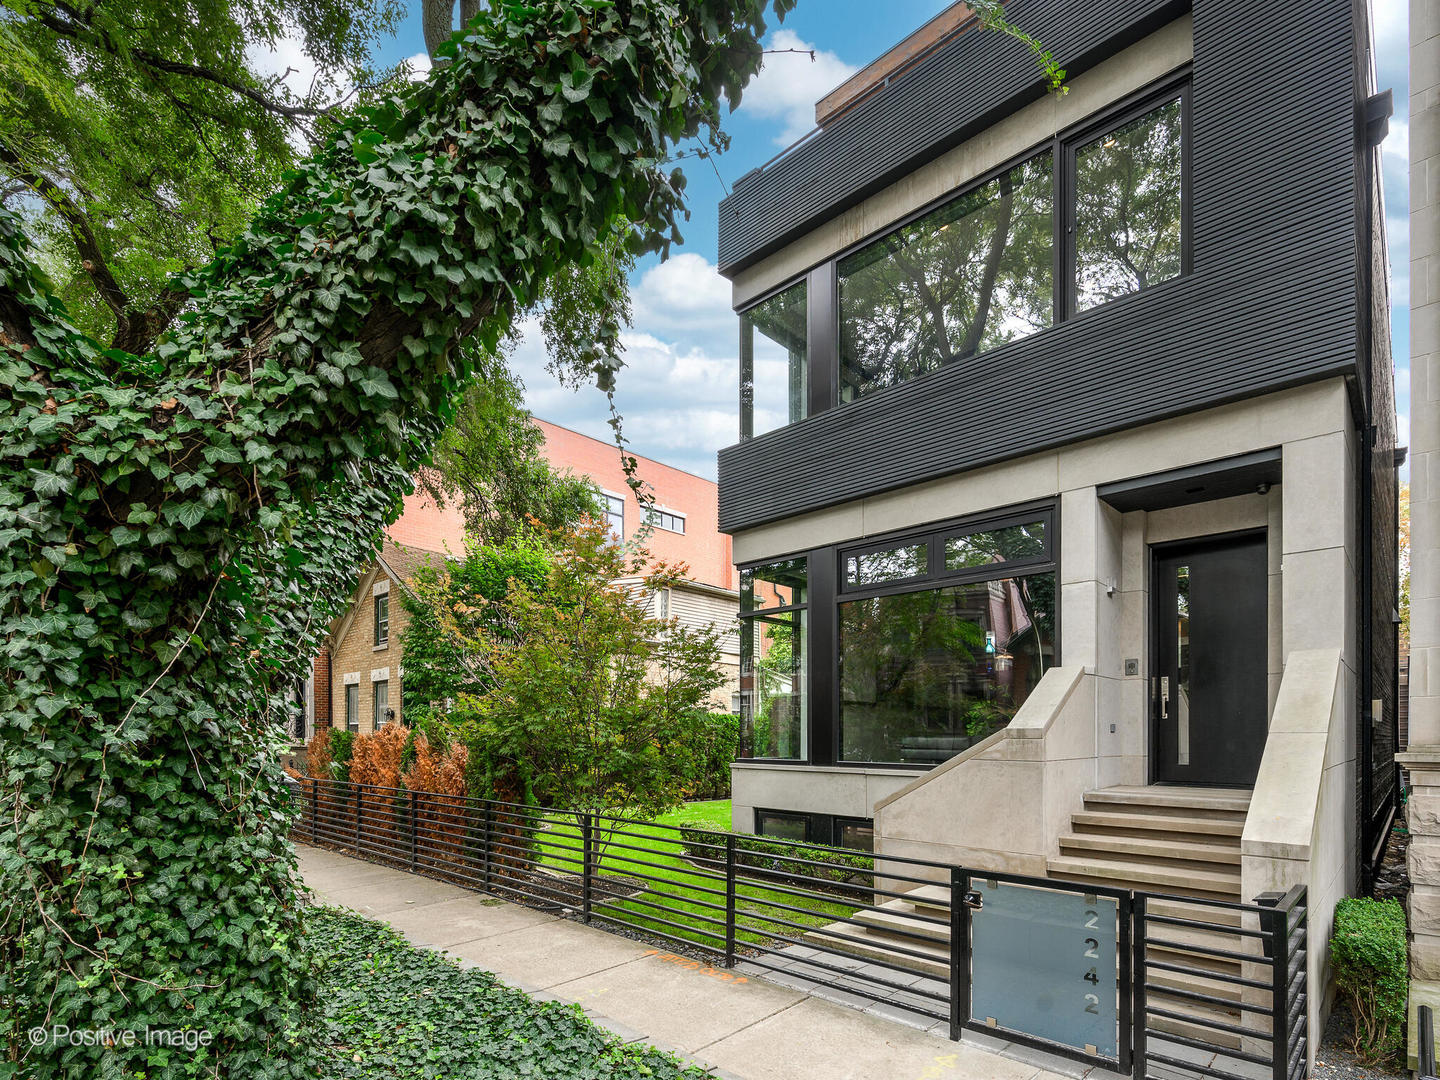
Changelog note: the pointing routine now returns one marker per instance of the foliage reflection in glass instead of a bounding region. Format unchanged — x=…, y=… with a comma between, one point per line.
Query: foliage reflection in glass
x=773, y=353
x=892, y=564
x=1128, y=200
x=773, y=649
x=976, y=273
x=925, y=674
x=1010, y=544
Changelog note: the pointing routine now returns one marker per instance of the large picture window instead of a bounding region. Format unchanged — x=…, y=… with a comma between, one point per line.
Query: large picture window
x=774, y=354
x=774, y=661
x=975, y=273
x=938, y=661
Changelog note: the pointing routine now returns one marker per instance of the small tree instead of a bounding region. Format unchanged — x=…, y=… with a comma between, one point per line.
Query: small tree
x=597, y=706
x=454, y=610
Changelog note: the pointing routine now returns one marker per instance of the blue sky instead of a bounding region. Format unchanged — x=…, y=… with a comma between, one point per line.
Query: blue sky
x=679, y=391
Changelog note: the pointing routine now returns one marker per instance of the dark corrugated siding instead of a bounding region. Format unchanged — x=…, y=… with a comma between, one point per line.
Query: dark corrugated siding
x=1271, y=302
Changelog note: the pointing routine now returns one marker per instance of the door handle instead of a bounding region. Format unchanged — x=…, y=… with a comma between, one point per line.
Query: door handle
x=1162, y=695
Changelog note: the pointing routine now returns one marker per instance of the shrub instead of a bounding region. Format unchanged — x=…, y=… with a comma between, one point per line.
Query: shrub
x=784, y=862
x=1368, y=952
x=342, y=749
x=376, y=759
x=722, y=746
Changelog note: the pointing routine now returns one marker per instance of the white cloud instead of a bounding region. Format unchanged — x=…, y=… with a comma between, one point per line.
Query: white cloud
x=419, y=65
x=790, y=83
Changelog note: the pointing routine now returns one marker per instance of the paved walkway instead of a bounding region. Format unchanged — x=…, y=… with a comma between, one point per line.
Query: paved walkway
x=736, y=1025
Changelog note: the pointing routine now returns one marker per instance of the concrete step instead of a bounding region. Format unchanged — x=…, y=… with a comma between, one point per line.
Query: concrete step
x=1127, y=819
x=873, y=944
x=1170, y=848
x=1199, y=801
x=897, y=915
x=1217, y=917
x=1147, y=875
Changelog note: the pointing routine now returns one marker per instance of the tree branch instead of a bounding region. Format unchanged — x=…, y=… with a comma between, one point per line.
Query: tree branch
x=88, y=245
x=146, y=59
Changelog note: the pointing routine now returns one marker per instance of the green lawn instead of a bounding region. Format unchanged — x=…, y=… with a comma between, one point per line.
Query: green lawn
x=391, y=1010
x=685, y=897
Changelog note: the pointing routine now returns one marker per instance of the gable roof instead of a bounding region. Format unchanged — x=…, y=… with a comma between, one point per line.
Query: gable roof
x=400, y=562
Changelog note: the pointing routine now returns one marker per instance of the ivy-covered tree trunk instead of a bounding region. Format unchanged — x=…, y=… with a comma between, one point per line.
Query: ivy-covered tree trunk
x=177, y=529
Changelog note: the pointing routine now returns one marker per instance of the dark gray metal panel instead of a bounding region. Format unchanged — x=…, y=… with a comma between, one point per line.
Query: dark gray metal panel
x=962, y=88
x=1272, y=301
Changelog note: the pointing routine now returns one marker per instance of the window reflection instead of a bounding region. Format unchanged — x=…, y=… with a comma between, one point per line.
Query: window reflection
x=892, y=564
x=925, y=674
x=775, y=648
x=1128, y=194
x=974, y=274
x=773, y=353
x=1010, y=544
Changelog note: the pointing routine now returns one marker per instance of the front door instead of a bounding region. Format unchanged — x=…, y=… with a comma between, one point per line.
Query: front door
x=1208, y=686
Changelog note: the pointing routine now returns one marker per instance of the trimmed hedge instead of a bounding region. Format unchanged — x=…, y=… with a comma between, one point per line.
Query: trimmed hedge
x=1368, y=952
x=723, y=748
x=789, y=863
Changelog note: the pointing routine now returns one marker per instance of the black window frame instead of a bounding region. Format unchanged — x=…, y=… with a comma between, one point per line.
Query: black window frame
x=826, y=590
x=1082, y=135
x=822, y=283
x=821, y=829
x=382, y=619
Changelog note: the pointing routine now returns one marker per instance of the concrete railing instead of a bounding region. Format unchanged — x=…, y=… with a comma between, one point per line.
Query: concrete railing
x=1001, y=804
x=1299, y=827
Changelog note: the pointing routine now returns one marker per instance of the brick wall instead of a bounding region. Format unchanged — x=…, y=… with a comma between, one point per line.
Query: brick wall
x=424, y=525
x=703, y=547
x=322, y=695
x=357, y=659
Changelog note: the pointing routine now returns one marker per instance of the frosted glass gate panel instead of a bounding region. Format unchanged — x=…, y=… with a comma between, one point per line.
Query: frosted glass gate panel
x=1045, y=963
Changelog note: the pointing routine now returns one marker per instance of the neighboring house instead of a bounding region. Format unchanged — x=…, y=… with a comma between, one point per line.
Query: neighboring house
x=355, y=682
x=357, y=678
x=1065, y=500
x=683, y=530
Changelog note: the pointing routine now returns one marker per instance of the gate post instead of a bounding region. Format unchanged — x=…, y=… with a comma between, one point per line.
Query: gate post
x=959, y=953
x=413, y=809
x=588, y=850
x=1137, y=977
x=1273, y=920
x=314, y=808
x=358, y=794
x=485, y=844
x=729, y=899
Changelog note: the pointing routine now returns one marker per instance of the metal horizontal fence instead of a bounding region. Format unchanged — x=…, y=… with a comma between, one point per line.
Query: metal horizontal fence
x=952, y=948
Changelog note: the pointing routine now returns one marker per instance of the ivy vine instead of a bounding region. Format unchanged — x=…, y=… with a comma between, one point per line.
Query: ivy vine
x=177, y=529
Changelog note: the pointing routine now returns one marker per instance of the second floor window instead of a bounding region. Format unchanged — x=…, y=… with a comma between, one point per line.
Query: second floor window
x=974, y=274
x=665, y=519
x=774, y=362
x=615, y=514
x=1129, y=206
x=382, y=620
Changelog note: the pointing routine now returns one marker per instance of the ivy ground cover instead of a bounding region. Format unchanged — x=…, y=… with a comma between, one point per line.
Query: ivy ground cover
x=396, y=1011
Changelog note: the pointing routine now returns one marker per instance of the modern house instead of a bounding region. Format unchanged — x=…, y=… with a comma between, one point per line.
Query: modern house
x=1065, y=495
x=357, y=679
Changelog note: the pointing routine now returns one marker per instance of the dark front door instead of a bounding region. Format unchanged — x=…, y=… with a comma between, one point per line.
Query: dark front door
x=1208, y=687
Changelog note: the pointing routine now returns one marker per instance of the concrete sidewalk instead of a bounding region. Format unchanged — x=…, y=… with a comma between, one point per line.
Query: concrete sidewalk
x=733, y=1024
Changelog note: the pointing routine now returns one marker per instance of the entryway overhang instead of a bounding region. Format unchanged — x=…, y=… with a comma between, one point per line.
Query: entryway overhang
x=1221, y=479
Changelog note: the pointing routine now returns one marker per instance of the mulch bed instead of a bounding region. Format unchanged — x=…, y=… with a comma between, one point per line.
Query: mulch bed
x=1334, y=1061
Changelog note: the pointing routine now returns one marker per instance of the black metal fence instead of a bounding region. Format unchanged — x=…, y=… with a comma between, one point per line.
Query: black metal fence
x=1126, y=980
